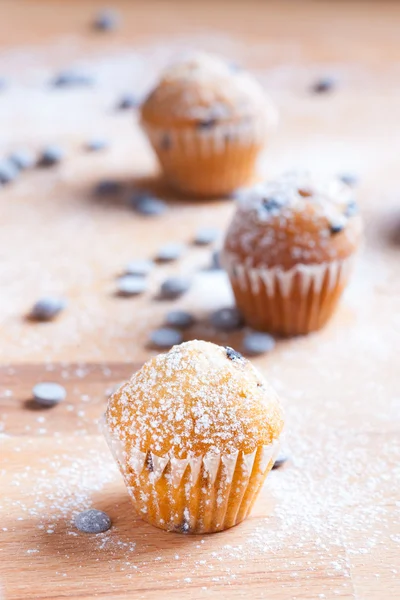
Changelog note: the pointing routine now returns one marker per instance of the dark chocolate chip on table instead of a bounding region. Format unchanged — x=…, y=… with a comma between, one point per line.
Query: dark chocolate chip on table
x=8, y=171
x=128, y=101
x=145, y=203
x=324, y=85
x=216, y=260
x=227, y=319
x=255, y=343
x=174, y=287
x=233, y=354
x=206, y=235
x=71, y=78
x=48, y=393
x=47, y=308
x=93, y=521
x=131, y=285
x=280, y=460
x=140, y=267
x=165, y=338
x=107, y=20
x=51, y=155
x=170, y=252
x=22, y=159
x=96, y=144
x=349, y=179
x=107, y=187
x=179, y=319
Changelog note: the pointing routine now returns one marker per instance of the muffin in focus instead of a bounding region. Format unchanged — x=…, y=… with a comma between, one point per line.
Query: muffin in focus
x=195, y=434
x=289, y=251
x=207, y=121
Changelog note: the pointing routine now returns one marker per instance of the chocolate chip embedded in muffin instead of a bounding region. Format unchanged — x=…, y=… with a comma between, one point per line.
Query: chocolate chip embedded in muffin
x=233, y=354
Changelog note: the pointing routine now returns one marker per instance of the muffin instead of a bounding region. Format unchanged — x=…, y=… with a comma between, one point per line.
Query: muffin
x=207, y=121
x=195, y=433
x=289, y=252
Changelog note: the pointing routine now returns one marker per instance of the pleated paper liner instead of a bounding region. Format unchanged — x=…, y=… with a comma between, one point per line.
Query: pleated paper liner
x=201, y=494
x=291, y=302
x=209, y=161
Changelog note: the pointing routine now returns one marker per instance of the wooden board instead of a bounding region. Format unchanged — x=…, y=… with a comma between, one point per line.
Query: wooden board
x=326, y=525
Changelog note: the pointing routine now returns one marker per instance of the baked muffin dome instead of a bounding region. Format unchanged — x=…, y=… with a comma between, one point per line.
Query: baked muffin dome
x=197, y=398
x=207, y=122
x=296, y=219
x=203, y=88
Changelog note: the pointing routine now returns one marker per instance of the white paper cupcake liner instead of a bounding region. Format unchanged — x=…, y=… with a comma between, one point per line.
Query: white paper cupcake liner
x=211, y=160
x=198, y=494
x=298, y=300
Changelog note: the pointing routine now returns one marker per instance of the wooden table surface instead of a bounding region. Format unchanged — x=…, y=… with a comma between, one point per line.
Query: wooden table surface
x=327, y=525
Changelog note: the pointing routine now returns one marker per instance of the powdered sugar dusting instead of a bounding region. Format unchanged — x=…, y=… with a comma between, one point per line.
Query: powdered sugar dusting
x=195, y=399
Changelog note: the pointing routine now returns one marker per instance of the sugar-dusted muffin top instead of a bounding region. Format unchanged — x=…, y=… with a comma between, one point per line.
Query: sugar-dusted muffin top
x=199, y=397
x=296, y=219
x=204, y=90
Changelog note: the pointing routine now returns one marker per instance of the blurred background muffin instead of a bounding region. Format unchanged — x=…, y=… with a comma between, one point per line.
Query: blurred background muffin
x=289, y=251
x=207, y=121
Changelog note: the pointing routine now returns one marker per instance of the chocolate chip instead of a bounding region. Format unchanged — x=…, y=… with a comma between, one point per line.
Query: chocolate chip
x=179, y=319
x=174, y=287
x=165, y=338
x=146, y=204
x=351, y=209
x=22, y=159
x=206, y=235
x=93, y=521
x=139, y=267
x=336, y=228
x=51, y=155
x=324, y=85
x=183, y=527
x=131, y=285
x=96, y=144
x=47, y=308
x=349, y=179
x=108, y=187
x=48, y=394
x=8, y=171
x=272, y=204
x=216, y=261
x=233, y=354
x=227, y=319
x=149, y=462
x=165, y=142
x=128, y=101
x=206, y=124
x=107, y=20
x=170, y=252
x=72, y=78
x=256, y=343
x=280, y=460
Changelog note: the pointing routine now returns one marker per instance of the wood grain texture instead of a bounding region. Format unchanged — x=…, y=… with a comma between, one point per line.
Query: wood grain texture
x=327, y=524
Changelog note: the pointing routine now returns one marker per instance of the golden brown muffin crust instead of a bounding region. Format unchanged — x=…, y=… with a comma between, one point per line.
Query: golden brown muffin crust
x=296, y=219
x=195, y=399
x=201, y=90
